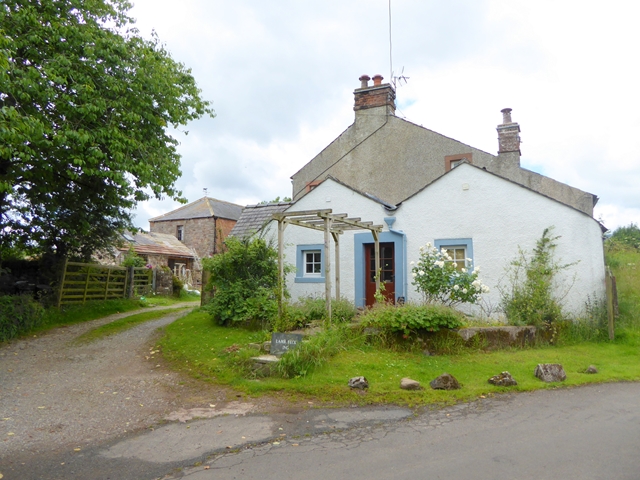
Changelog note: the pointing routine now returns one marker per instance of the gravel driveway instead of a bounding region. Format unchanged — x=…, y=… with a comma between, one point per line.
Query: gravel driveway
x=56, y=394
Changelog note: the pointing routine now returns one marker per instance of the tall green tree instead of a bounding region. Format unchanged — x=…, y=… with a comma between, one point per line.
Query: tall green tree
x=85, y=104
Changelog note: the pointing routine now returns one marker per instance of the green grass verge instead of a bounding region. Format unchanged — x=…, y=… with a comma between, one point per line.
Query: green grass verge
x=220, y=354
x=72, y=314
x=123, y=324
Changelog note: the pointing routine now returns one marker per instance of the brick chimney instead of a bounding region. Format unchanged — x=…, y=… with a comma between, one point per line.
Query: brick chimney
x=508, y=134
x=377, y=99
x=508, y=140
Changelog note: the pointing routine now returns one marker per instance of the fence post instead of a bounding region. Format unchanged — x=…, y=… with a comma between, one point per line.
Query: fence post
x=205, y=294
x=106, y=286
x=86, y=286
x=131, y=278
x=63, y=277
x=610, y=302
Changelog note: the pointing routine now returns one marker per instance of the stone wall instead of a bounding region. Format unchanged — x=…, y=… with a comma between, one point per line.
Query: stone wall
x=164, y=281
x=198, y=233
x=204, y=235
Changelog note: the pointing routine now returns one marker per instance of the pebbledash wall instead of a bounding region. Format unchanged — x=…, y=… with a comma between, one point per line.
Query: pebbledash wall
x=497, y=216
x=199, y=233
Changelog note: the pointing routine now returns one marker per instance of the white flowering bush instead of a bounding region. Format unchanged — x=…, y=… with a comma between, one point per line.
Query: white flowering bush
x=435, y=276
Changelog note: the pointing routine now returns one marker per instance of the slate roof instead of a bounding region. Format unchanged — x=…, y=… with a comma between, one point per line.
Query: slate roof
x=204, y=207
x=255, y=217
x=157, y=244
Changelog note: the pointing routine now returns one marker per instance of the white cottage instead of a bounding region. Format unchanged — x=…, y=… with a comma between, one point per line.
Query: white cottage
x=422, y=187
x=483, y=216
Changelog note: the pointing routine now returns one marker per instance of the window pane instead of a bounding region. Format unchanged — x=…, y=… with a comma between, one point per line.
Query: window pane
x=313, y=263
x=458, y=256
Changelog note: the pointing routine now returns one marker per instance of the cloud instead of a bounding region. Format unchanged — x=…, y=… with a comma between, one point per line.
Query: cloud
x=281, y=77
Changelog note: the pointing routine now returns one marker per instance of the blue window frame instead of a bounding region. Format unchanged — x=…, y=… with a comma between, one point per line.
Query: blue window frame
x=459, y=249
x=310, y=263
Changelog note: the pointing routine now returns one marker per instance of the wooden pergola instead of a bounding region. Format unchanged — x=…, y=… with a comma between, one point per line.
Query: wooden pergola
x=332, y=225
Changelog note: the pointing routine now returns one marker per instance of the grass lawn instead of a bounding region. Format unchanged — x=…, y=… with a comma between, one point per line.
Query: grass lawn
x=195, y=345
x=221, y=355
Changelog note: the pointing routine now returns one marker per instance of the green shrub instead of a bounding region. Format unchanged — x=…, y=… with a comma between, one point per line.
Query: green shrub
x=412, y=319
x=178, y=286
x=309, y=310
x=439, y=279
x=132, y=259
x=531, y=297
x=244, y=281
x=18, y=314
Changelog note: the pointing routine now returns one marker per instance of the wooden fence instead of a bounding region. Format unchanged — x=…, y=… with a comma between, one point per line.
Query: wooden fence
x=82, y=282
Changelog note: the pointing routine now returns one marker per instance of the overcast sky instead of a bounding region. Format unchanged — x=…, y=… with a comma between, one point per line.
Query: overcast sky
x=281, y=76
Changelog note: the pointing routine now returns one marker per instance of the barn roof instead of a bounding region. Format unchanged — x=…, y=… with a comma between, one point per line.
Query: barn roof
x=204, y=207
x=157, y=244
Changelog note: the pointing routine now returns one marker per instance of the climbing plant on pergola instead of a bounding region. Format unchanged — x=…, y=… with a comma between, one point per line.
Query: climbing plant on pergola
x=333, y=225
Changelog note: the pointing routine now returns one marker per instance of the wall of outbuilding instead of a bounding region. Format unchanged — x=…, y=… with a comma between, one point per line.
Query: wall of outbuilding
x=205, y=235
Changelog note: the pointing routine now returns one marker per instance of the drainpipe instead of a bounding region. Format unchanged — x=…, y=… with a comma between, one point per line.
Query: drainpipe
x=405, y=283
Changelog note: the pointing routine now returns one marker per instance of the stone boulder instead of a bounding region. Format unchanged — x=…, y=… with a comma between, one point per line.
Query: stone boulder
x=503, y=380
x=550, y=372
x=408, y=384
x=591, y=369
x=358, y=382
x=445, y=381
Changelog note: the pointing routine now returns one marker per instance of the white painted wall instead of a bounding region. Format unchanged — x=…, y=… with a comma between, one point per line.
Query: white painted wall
x=340, y=199
x=502, y=217
x=498, y=215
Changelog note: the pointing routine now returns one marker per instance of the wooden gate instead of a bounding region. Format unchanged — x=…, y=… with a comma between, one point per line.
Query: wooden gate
x=82, y=282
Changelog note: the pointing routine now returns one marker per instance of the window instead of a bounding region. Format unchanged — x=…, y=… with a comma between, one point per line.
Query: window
x=459, y=249
x=310, y=264
x=452, y=161
x=458, y=256
x=180, y=232
x=311, y=185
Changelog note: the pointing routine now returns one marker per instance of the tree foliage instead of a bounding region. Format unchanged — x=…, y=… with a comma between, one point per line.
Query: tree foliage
x=627, y=237
x=85, y=104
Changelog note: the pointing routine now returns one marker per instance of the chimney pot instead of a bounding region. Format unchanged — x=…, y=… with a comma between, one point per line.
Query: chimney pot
x=364, y=81
x=377, y=99
x=506, y=115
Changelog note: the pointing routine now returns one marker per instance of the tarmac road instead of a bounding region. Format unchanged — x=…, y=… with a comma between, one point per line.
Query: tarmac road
x=590, y=432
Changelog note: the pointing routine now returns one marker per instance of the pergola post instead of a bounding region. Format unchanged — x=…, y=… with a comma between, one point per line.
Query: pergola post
x=327, y=266
x=330, y=225
x=281, y=227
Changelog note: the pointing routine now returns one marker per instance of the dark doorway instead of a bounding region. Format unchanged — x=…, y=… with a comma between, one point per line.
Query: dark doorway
x=387, y=273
